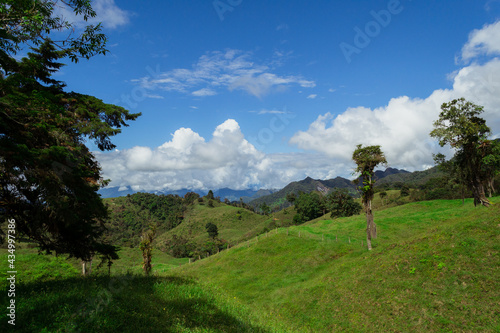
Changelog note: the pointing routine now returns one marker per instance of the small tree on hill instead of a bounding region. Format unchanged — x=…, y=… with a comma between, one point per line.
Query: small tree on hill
x=341, y=204
x=405, y=190
x=265, y=208
x=382, y=195
x=146, y=247
x=367, y=158
x=212, y=230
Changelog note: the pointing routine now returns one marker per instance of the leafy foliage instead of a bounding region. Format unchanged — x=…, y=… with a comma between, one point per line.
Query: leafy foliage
x=180, y=246
x=130, y=215
x=460, y=126
x=341, y=204
x=212, y=230
x=31, y=22
x=309, y=206
x=49, y=179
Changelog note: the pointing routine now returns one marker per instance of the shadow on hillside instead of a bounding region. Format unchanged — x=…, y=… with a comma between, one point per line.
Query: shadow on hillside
x=124, y=303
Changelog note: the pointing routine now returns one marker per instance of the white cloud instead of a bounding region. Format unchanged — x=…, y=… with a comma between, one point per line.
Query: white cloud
x=264, y=111
x=204, y=92
x=402, y=126
x=312, y=96
x=231, y=69
x=282, y=26
x=154, y=96
x=227, y=160
x=483, y=41
x=108, y=13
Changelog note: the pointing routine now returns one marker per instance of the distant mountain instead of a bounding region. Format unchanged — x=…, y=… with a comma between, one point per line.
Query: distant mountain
x=379, y=174
x=231, y=195
x=235, y=195
x=270, y=197
x=114, y=192
x=411, y=179
x=308, y=185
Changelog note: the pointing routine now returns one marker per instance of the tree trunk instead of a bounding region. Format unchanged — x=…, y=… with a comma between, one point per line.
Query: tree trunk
x=90, y=267
x=478, y=192
x=491, y=186
x=84, y=268
x=371, y=228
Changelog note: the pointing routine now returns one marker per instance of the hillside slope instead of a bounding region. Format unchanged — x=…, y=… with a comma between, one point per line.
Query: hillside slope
x=234, y=224
x=434, y=267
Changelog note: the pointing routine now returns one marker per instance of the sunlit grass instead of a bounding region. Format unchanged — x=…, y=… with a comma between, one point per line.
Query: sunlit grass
x=434, y=267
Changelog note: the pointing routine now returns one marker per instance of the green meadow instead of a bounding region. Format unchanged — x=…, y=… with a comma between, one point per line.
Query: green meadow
x=435, y=267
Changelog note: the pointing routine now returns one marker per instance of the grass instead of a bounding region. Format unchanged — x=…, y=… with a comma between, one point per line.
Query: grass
x=434, y=268
x=234, y=224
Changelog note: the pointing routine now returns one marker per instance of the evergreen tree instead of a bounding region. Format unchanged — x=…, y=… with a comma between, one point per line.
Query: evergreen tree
x=49, y=178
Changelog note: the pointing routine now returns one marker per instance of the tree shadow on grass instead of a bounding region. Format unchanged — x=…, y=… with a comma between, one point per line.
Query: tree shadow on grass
x=123, y=303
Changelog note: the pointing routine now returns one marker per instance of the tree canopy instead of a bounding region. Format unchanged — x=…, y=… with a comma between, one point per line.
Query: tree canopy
x=49, y=178
x=460, y=126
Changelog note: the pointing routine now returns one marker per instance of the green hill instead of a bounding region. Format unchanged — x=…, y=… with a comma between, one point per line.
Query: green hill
x=235, y=224
x=434, y=267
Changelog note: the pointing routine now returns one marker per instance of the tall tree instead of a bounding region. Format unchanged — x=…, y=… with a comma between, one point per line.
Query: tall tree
x=367, y=158
x=460, y=126
x=49, y=178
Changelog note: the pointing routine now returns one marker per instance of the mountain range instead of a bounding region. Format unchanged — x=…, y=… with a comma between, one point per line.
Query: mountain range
x=277, y=197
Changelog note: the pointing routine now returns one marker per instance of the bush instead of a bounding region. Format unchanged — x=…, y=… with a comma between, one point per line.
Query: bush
x=405, y=190
x=298, y=219
x=179, y=247
x=341, y=204
x=212, y=230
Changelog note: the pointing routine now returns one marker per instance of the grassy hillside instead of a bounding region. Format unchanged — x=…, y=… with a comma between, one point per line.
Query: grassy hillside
x=434, y=267
x=234, y=224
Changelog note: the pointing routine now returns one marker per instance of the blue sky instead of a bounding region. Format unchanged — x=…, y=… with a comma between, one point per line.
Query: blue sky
x=240, y=93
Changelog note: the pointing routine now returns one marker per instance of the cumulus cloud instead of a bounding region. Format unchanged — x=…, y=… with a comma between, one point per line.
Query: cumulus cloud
x=402, y=126
x=312, y=96
x=232, y=69
x=190, y=161
x=226, y=160
x=485, y=41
